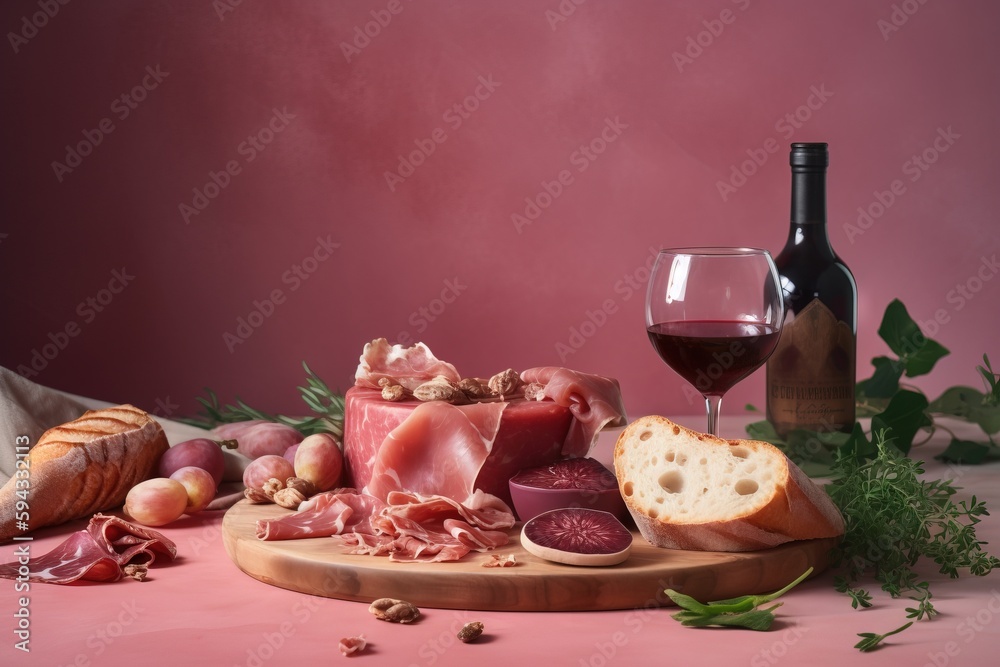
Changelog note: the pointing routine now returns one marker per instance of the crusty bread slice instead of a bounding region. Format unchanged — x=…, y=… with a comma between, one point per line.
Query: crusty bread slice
x=81, y=467
x=690, y=490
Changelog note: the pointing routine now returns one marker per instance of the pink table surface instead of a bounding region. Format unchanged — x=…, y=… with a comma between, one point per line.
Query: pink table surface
x=203, y=610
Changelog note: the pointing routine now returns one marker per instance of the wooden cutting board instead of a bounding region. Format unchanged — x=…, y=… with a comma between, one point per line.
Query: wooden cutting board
x=322, y=566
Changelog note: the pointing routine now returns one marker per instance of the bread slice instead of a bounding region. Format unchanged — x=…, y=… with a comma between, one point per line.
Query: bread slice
x=690, y=490
x=81, y=467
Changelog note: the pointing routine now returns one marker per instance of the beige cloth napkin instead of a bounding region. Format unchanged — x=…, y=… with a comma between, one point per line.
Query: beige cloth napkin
x=28, y=409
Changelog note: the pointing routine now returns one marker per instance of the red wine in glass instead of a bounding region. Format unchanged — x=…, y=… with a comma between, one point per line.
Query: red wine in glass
x=713, y=355
x=714, y=315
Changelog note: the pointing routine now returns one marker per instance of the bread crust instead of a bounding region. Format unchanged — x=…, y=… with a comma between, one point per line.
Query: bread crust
x=797, y=510
x=84, y=466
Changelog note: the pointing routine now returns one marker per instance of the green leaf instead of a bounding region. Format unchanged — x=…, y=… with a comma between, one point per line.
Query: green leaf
x=964, y=451
x=884, y=382
x=968, y=404
x=858, y=446
x=764, y=430
x=917, y=352
x=923, y=359
x=904, y=416
x=898, y=329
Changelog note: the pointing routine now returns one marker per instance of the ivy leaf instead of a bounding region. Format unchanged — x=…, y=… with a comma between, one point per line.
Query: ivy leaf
x=764, y=430
x=885, y=381
x=968, y=404
x=964, y=451
x=904, y=416
x=916, y=352
x=858, y=446
x=992, y=381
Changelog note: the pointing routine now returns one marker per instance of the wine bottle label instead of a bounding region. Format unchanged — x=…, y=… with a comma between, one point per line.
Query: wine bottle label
x=810, y=375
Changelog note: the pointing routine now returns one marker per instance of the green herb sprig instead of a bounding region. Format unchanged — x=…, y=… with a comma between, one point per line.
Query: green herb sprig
x=741, y=612
x=326, y=404
x=894, y=519
x=870, y=641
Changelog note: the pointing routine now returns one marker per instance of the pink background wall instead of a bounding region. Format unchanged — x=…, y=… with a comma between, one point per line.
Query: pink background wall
x=552, y=87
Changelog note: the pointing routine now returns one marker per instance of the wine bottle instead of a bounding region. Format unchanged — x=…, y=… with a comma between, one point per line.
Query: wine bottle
x=811, y=374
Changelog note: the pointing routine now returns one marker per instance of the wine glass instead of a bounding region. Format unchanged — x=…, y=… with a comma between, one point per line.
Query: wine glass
x=714, y=316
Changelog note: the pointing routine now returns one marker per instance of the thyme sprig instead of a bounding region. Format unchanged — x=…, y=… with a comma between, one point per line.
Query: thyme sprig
x=327, y=407
x=894, y=519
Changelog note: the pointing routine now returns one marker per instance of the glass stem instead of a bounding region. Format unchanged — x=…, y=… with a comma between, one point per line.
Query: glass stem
x=713, y=404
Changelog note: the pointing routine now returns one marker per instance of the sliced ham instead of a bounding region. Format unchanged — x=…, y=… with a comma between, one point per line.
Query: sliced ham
x=529, y=434
x=408, y=366
x=98, y=553
x=323, y=515
x=438, y=450
x=595, y=402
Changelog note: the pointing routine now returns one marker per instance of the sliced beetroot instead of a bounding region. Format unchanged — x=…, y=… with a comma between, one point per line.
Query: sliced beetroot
x=579, y=473
x=577, y=536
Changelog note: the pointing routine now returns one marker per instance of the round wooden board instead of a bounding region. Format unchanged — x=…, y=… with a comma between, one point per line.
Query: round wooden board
x=322, y=566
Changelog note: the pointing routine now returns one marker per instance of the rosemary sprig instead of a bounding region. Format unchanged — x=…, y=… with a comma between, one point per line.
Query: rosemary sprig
x=326, y=404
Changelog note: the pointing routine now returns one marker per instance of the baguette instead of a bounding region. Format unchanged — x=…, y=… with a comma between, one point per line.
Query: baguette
x=690, y=490
x=84, y=466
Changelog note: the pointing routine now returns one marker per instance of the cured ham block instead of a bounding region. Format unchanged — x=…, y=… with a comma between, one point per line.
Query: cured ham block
x=447, y=445
x=472, y=440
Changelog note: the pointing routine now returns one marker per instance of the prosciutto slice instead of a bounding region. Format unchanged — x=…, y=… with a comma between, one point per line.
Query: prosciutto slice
x=436, y=528
x=408, y=366
x=595, y=402
x=97, y=553
x=323, y=515
x=438, y=450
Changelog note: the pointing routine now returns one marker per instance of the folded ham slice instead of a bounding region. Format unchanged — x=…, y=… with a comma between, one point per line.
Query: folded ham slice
x=595, y=402
x=438, y=449
x=408, y=366
x=323, y=515
x=97, y=553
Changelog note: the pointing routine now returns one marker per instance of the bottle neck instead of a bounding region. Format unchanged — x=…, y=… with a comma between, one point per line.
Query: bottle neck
x=809, y=196
x=808, y=217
